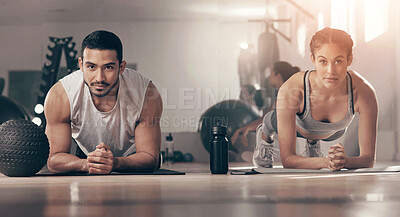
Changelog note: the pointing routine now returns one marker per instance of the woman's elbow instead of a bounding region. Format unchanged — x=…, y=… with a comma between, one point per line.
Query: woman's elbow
x=366, y=162
x=285, y=160
x=371, y=162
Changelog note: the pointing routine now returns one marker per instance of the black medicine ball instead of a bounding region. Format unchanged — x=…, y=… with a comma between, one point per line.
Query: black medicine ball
x=24, y=148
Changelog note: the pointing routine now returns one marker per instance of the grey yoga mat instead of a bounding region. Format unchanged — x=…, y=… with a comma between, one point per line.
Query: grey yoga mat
x=392, y=169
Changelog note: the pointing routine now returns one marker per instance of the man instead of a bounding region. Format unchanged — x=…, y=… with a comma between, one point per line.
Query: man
x=281, y=72
x=112, y=112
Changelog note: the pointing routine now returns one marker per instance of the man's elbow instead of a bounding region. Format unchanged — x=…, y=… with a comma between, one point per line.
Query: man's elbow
x=153, y=166
x=146, y=168
x=51, y=164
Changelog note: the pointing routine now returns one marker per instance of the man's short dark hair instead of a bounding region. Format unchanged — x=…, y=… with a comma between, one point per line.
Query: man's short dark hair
x=103, y=40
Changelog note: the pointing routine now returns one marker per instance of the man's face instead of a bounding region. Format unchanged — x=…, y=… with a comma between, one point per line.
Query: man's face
x=101, y=69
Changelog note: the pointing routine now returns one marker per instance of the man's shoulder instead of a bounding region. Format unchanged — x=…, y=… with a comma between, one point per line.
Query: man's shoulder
x=72, y=83
x=131, y=73
x=132, y=77
x=73, y=77
x=56, y=103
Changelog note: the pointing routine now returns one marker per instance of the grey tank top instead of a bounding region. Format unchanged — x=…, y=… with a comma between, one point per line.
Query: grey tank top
x=115, y=128
x=309, y=125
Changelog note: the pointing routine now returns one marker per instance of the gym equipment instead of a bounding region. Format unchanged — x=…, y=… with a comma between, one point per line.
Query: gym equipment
x=281, y=170
x=188, y=157
x=178, y=156
x=156, y=172
x=232, y=113
x=258, y=99
x=2, y=84
x=11, y=110
x=24, y=148
x=163, y=156
x=51, y=68
x=268, y=51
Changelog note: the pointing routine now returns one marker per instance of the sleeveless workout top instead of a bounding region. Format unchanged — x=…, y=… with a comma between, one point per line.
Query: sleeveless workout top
x=116, y=128
x=309, y=125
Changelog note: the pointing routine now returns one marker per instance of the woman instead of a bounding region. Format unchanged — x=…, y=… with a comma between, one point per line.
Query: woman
x=319, y=105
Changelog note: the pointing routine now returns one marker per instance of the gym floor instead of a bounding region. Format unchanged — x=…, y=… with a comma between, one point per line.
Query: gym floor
x=198, y=193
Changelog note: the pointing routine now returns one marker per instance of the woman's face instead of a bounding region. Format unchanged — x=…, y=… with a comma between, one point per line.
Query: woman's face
x=331, y=62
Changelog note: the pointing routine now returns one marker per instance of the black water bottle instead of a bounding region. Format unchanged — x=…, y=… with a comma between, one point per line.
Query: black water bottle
x=218, y=150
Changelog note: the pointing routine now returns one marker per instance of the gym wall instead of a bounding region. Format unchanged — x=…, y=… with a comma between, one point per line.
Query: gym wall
x=189, y=57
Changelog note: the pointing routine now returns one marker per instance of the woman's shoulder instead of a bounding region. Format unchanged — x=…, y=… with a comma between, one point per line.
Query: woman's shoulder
x=360, y=83
x=363, y=91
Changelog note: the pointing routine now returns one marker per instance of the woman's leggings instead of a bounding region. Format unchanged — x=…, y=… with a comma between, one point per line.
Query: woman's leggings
x=270, y=127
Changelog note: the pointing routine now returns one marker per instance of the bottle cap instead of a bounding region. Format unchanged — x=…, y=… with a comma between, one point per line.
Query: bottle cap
x=219, y=128
x=169, y=137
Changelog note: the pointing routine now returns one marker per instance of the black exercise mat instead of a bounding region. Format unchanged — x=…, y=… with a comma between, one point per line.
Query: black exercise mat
x=157, y=172
x=389, y=169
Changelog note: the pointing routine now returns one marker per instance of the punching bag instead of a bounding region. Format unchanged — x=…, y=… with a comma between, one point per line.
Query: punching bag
x=268, y=51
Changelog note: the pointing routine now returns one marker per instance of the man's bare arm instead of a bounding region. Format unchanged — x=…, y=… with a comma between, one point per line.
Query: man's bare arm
x=58, y=130
x=147, y=137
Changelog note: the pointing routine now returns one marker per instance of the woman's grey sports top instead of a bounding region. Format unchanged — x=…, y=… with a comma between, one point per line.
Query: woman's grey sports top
x=305, y=121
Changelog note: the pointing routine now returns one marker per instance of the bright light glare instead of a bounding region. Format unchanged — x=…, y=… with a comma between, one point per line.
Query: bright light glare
x=374, y=197
x=321, y=23
x=343, y=16
x=376, y=18
x=352, y=21
x=74, y=192
x=37, y=121
x=245, y=12
x=339, y=14
x=244, y=45
x=39, y=109
x=301, y=40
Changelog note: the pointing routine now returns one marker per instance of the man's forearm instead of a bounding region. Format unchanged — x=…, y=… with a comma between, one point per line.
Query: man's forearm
x=66, y=163
x=139, y=162
x=253, y=125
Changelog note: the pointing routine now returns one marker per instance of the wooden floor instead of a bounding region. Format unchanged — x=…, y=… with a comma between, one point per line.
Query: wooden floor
x=198, y=193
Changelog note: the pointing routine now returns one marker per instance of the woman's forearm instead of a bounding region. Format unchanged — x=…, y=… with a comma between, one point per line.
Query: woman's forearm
x=299, y=162
x=359, y=162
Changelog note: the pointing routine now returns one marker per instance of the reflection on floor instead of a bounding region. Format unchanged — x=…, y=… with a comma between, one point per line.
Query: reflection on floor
x=198, y=193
